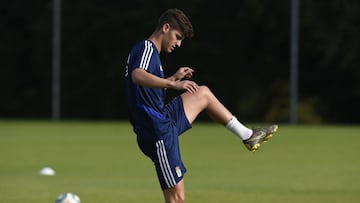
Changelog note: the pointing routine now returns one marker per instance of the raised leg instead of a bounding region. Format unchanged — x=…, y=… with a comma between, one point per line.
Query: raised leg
x=204, y=100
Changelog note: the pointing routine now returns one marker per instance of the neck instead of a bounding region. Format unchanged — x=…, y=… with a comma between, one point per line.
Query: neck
x=156, y=39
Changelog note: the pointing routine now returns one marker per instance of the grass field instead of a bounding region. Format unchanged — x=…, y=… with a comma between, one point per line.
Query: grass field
x=100, y=161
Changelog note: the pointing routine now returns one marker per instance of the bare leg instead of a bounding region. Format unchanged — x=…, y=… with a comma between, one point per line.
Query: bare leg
x=175, y=194
x=204, y=99
x=194, y=103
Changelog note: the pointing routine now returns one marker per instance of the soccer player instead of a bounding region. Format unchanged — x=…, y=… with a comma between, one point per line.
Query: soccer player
x=158, y=125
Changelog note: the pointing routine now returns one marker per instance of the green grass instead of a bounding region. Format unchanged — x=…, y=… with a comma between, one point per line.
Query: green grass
x=100, y=161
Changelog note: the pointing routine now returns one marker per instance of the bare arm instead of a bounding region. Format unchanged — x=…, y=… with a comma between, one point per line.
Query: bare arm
x=143, y=78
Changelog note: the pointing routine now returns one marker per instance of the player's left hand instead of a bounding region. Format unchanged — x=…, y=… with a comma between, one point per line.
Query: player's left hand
x=183, y=72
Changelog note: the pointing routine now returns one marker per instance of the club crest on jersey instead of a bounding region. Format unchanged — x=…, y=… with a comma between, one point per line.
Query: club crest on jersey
x=178, y=171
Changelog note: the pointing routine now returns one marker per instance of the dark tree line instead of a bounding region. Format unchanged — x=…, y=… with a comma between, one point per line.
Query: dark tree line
x=240, y=49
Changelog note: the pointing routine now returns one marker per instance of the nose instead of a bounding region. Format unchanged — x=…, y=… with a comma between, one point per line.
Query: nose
x=178, y=43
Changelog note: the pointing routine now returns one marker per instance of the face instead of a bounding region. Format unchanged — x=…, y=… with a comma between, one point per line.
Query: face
x=172, y=38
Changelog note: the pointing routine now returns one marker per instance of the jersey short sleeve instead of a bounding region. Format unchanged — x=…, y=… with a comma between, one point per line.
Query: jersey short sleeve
x=144, y=55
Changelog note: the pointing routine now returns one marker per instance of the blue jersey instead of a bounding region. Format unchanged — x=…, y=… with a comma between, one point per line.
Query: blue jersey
x=142, y=100
x=156, y=125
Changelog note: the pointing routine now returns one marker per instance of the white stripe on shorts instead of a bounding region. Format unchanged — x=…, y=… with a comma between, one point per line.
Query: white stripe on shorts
x=164, y=164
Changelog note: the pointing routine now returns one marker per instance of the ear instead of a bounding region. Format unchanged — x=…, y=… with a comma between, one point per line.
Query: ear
x=166, y=27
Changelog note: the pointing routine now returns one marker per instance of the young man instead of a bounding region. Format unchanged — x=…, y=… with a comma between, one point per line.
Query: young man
x=158, y=125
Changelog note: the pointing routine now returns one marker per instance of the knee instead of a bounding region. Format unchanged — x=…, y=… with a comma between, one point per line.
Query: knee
x=175, y=198
x=204, y=90
x=205, y=93
x=175, y=195
x=179, y=198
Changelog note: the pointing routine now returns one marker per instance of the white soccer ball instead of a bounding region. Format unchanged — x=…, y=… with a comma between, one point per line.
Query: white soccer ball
x=68, y=198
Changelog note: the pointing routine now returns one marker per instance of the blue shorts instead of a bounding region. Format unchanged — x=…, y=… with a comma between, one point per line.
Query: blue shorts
x=160, y=143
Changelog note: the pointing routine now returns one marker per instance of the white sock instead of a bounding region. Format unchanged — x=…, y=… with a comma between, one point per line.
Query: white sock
x=239, y=129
